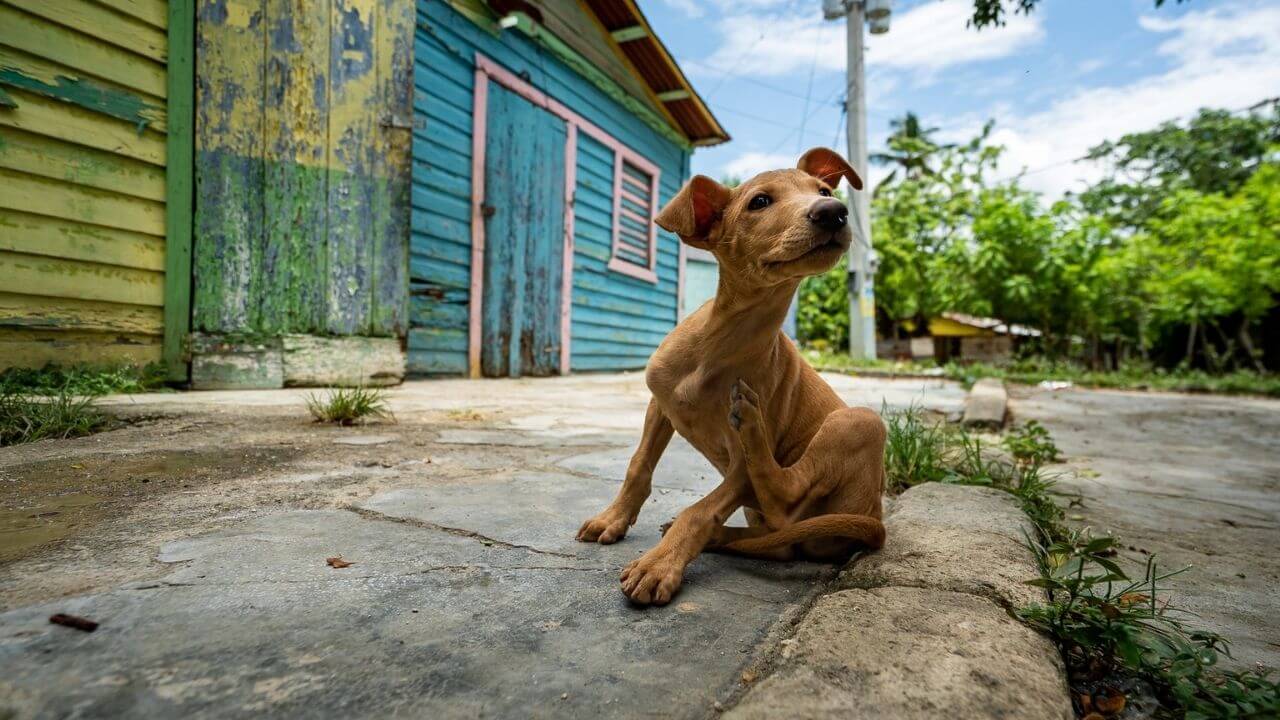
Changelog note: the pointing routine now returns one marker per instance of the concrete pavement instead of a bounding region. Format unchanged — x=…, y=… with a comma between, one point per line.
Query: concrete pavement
x=1191, y=479
x=198, y=538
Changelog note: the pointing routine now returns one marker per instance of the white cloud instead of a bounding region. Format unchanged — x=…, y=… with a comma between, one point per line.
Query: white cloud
x=1224, y=58
x=934, y=36
x=690, y=8
x=774, y=44
x=749, y=164
x=768, y=38
x=1084, y=67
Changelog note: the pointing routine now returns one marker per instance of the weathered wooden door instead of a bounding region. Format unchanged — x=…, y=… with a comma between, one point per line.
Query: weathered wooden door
x=524, y=237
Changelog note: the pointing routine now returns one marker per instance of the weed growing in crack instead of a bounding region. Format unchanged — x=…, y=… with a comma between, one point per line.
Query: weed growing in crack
x=1120, y=636
x=1031, y=443
x=1111, y=626
x=347, y=406
x=25, y=418
x=914, y=450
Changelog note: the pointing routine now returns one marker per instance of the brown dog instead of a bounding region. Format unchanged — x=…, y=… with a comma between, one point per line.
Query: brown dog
x=809, y=469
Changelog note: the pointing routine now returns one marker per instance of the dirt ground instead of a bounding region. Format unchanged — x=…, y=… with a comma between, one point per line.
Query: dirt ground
x=1193, y=480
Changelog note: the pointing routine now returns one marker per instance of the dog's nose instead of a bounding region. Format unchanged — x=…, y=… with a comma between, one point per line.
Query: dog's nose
x=829, y=214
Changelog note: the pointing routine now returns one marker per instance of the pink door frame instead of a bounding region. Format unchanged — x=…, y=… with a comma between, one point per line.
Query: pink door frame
x=486, y=70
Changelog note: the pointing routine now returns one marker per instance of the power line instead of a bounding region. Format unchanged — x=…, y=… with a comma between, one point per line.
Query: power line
x=804, y=114
x=749, y=80
x=757, y=118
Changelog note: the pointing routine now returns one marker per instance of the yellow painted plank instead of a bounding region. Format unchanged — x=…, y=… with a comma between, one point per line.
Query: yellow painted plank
x=102, y=23
x=75, y=50
x=58, y=76
x=52, y=277
x=28, y=193
x=55, y=237
x=152, y=12
x=36, y=350
x=57, y=160
x=55, y=119
x=33, y=312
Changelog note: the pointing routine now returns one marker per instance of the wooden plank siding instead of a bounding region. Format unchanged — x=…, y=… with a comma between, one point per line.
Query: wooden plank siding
x=82, y=181
x=302, y=167
x=616, y=320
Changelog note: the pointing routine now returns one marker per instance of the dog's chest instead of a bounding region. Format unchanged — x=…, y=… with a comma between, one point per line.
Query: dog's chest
x=697, y=404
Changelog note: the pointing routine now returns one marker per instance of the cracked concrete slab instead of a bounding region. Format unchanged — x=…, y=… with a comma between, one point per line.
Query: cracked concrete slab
x=925, y=630
x=1192, y=479
x=899, y=652
x=198, y=537
x=956, y=538
x=424, y=622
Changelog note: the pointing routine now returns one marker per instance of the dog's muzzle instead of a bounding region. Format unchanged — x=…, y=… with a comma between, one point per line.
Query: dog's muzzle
x=829, y=214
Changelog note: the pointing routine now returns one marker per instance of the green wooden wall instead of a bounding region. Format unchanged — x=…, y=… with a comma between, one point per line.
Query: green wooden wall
x=303, y=131
x=83, y=148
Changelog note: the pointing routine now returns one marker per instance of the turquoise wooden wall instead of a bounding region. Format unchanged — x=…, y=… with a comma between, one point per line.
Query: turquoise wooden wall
x=617, y=320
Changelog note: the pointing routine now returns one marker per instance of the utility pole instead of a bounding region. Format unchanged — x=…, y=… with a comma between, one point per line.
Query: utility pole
x=862, y=258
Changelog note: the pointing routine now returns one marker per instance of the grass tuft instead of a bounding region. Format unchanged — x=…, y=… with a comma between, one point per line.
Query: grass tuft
x=26, y=418
x=347, y=406
x=82, y=380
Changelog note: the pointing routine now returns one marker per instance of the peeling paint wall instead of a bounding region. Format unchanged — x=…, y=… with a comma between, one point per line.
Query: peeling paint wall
x=82, y=181
x=616, y=321
x=303, y=112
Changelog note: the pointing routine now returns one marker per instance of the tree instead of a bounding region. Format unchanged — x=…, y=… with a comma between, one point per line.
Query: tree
x=992, y=12
x=1216, y=152
x=911, y=147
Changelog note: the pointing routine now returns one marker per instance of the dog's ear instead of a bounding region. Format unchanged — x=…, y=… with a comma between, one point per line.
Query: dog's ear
x=829, y=167
x=694, y=210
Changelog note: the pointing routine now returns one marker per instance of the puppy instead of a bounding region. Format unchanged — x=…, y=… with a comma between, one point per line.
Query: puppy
x=808, y=469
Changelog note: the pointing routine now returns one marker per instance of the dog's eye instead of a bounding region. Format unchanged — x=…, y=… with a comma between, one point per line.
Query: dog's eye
x=759, y=202
x=824, y=192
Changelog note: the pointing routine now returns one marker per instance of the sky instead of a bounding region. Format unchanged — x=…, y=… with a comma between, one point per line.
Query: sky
x=1057, y=82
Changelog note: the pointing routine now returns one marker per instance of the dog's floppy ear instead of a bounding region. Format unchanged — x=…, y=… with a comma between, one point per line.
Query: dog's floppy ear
x=694, y=210
x=829, y=167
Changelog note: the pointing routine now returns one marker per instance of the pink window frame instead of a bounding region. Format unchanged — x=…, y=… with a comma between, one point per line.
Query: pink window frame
x=486, y=70
x=617, y=263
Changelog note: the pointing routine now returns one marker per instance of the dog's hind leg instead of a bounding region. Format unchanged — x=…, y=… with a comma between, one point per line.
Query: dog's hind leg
x=844, y=461
x=611, y=524
x=724, y=535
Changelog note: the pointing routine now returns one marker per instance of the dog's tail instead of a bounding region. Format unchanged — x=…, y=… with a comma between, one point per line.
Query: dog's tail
x=863, y=528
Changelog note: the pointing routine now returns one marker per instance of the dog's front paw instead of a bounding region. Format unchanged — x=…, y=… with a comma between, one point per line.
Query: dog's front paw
x=608, y=527
x=653, y=578
x=744, y=406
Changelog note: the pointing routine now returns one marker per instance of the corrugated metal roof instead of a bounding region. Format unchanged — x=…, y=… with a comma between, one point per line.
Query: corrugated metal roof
x=999, y=327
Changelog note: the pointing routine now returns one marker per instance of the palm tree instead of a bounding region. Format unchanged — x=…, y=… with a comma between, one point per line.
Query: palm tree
x=911, y=146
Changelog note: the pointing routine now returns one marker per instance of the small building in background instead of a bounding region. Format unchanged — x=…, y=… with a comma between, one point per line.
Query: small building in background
x=957, y=337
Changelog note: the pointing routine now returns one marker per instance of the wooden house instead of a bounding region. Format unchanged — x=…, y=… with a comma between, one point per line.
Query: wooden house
x=548, y=139
x=95, y=182
x=262, y=193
